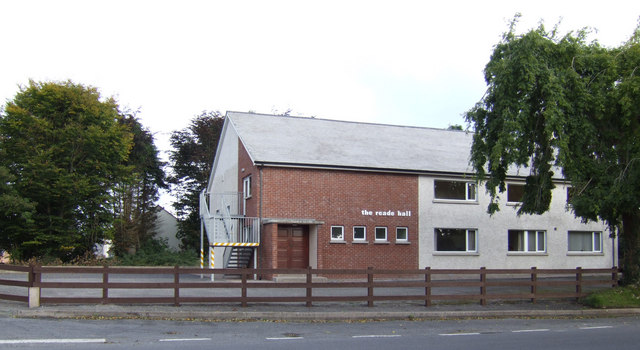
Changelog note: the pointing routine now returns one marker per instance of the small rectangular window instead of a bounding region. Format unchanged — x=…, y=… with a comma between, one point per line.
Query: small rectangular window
x=246, y=187
x=456, y=240
x=381, y=233
x=359, y=233
x=515, y=192
x=570, y=194
x=454, y=190
x=337, y=233
x=527, y=241
x=402, y=234
x=585, y=241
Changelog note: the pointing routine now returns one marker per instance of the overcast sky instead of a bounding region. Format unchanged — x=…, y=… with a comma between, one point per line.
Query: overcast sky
x=396, y=62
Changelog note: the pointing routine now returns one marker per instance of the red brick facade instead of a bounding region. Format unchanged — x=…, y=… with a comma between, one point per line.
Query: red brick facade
x=337, y=198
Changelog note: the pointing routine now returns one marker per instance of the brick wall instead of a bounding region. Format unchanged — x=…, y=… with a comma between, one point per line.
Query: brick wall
x=246, y=168
x=338, y=198
x=267, y=254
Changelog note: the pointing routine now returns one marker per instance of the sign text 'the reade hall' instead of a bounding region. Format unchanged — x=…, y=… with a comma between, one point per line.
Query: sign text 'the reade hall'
x=366, y=212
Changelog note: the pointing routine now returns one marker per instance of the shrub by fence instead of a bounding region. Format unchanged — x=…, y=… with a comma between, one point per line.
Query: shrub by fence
x=180, y=285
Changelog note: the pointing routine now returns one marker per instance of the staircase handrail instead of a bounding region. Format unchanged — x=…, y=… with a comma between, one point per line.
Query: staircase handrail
x=226, y=220
x=205, y=216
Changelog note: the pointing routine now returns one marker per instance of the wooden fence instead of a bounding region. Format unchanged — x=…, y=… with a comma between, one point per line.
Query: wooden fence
x=186, y=285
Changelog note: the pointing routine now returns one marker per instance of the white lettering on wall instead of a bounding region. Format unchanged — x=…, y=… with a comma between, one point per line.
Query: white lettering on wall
x=366, y=212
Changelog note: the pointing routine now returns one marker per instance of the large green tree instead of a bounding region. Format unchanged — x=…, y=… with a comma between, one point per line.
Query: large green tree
x=63, y=148
x=191, y=159
x=560, y=102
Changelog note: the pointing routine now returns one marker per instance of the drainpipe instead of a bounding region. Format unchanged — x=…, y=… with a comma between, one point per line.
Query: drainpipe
x=260, y=204
x=255, y=261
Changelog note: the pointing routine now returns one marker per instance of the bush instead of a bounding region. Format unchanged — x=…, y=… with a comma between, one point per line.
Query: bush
x=157, y=253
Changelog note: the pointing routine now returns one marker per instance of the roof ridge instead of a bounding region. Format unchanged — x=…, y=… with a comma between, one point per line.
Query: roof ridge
x=297, y=117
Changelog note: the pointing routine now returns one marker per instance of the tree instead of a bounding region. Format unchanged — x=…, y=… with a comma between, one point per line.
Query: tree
x=15, y=213
x=562, y=102
x=136, y=193
x=194, y=149
x=63, y=148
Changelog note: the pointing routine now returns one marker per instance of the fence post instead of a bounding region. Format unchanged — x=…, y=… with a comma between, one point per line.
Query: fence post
x=534, y=284
x=370, y=286
x=34, y=291
x=105, y=284
x=427, y=287
x=578, y=282
x=176, y=285
x=483, y=286
x=614, y=276
x=243, y=301
x=309, y=286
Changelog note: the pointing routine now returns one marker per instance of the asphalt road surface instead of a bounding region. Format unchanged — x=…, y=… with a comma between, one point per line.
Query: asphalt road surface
x=597, y=333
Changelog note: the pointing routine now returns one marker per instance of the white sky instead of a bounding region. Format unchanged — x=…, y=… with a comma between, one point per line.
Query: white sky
x=396, y=62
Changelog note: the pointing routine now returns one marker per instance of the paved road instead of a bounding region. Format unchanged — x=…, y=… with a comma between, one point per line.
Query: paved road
x=522, y=334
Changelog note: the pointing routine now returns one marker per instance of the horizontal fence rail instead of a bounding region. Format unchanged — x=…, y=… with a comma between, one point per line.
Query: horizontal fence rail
x=180, y=285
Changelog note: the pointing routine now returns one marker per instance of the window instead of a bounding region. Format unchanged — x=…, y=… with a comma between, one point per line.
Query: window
x=570, y=194
x=337, y=233
x=402, y=234
x=456, y=240
x=359, y=233
x=381, y=233
x=246, y=187
x=527, y=241
x=454, y=190
x=585, y=241
x=515, y=192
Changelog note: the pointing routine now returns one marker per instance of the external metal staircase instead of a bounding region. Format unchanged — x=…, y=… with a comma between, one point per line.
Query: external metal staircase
x=240, y=257
x=225, y=227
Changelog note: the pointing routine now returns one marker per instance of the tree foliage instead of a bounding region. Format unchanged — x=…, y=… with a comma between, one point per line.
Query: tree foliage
x=16, y=212
x=194, y=149
x=564, y=103
x=63, y=149
x=136, y=193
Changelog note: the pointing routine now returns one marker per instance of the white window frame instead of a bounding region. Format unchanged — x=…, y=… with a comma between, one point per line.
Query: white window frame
x=596, y=241
x=470, y=192
x=364, y=229
x=246, y=187
x=406, y=231
x=526, y=244
x=376, y=234
x=341, y=238
x=467, y=237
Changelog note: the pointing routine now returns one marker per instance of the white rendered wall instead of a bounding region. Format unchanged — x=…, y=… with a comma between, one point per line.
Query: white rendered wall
x=224, y=179
x=225, y=171
x=492, y=251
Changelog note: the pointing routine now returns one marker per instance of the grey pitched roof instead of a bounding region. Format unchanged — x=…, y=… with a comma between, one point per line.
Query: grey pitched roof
x=298, y=141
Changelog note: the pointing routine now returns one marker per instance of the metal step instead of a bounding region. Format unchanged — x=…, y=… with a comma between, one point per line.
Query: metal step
x=240, y=257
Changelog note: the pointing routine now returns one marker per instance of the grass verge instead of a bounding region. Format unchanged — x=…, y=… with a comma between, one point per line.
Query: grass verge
x=619, y=297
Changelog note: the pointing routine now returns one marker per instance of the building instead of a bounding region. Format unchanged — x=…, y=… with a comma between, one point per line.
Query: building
x=167, y=228
x=291, y=192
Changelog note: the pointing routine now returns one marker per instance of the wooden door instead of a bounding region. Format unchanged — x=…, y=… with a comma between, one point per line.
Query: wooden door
x=293, y=247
